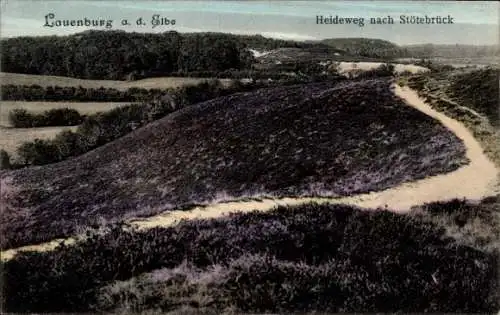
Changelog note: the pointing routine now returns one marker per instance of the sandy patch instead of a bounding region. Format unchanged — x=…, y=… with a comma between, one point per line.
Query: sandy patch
x=345, y=67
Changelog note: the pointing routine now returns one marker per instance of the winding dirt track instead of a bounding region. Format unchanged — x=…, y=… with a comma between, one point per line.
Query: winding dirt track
x=476, y=180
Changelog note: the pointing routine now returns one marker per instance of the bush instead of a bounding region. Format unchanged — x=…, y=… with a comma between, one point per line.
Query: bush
x=69, y=143
x=21, y=118
x=4, y=160
x=61, y=117
x=38, y=152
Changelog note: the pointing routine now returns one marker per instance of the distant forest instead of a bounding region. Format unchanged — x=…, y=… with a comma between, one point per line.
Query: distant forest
x=118, y=55
x=366, y=47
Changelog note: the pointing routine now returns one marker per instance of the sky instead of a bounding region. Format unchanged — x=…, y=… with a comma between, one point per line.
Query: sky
x=474, y=22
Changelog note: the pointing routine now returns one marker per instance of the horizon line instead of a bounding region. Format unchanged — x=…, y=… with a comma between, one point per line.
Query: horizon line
x=277, y=36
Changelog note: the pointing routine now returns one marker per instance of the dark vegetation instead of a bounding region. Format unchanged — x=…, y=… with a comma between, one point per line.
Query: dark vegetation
x=378, y=48
x=11, y=92
x=286, y=140
x=471, y=223
x=477, y=108
x=119, y=55
x=21, y=118
x=366, y=47
x=451, y=51
x=434, y=67
x=285, y=72
x=478, y=90
x=4, y=160
x=294, y=140
x=330, y=258
x=307, y=55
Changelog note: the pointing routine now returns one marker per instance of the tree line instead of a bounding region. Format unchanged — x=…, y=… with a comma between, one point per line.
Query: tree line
x=21, y=118
x=12, y=92
x=118, y=55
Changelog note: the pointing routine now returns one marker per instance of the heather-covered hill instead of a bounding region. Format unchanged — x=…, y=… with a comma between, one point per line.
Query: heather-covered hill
x=479, y=90
x=321, y=258
x=316, y=139
x=469, y=95
x=476, y=89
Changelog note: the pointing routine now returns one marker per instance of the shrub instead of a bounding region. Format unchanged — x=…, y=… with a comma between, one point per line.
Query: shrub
x=69, y=143
x=4, y=160
x=192, y=94
x=38, y=152
x=21, y=118
x=61, y=117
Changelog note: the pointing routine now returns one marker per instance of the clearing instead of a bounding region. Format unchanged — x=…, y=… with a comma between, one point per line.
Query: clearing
x=149, y=83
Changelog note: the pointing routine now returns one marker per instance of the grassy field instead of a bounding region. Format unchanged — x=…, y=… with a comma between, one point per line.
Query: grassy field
x=11, y=138
x=84, y=108
x=150, y=83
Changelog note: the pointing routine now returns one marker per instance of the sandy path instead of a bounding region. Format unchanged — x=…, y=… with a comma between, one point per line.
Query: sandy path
x=476, y=180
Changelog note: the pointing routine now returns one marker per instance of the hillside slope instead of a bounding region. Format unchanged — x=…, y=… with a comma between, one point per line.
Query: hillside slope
x=322, y=258
x=317, y=139
x=479, y=90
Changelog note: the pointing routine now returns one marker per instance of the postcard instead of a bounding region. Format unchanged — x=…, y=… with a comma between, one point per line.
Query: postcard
x=249, y=157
